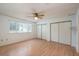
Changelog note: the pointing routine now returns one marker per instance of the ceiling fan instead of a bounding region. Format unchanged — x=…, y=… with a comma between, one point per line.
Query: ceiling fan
x=37, y=15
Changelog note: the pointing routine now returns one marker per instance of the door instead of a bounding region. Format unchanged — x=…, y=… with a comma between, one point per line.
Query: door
x=44, y=31
x=65, y=33
x=39, y=31
x=54, y=32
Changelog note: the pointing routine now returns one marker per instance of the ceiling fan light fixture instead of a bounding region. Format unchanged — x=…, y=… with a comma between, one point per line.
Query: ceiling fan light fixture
x=36, y=18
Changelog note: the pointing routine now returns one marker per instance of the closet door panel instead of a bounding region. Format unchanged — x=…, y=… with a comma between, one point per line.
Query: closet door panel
x=39, y=31
x=44, y=31
x=54, y=32
x=65, y=33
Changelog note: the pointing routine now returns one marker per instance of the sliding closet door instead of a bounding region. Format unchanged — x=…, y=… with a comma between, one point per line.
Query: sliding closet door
x=44, y=27
x=54, y=32
x=39, y=31
x=65, y=33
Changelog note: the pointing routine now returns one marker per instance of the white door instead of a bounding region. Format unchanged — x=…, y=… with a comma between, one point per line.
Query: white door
x=54, y=32
x=39, y=31
x=65, y=33
x=44, y=31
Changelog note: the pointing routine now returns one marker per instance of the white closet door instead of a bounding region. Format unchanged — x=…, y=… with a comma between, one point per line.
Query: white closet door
x=54, y=32
x=39, y=31
x=44, y=31
x=65, y=33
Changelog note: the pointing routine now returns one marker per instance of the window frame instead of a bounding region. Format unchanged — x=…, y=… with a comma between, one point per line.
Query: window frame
x=15, y=31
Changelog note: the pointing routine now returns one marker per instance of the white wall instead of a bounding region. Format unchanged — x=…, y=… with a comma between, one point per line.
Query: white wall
x=7, y=38
x=77, y=33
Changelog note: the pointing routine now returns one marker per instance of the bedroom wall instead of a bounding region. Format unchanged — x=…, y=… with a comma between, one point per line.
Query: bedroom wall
x=67, y=18
x=8, y=38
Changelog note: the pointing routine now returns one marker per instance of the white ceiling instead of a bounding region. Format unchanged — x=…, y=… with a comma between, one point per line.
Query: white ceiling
x=22, y=10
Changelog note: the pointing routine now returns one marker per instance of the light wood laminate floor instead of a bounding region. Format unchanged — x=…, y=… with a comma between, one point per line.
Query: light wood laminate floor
x=37, y=47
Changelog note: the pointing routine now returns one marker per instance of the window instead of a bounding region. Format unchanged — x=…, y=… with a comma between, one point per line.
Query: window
x=20, y=27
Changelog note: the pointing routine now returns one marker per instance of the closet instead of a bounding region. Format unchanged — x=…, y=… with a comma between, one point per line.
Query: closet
x=54, y=32
x=61, y=32
x=41, y=31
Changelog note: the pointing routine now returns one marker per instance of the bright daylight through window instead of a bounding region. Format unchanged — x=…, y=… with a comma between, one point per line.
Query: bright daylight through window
x=17, y=27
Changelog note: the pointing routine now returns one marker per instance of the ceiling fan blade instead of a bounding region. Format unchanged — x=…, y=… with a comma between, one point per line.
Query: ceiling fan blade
x=42, y=15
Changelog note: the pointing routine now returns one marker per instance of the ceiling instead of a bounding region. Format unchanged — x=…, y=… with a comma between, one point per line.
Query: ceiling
x=22, y=10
